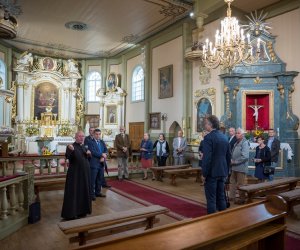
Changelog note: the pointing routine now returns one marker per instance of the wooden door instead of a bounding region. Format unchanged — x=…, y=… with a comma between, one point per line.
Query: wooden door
x=136, y=134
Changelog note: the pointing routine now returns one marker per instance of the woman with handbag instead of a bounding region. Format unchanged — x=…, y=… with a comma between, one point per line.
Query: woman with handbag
x=262, y=159
x=162, y=150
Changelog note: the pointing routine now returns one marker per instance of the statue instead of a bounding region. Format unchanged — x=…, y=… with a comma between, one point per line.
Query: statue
x=72, y=65
x=256, y=107
x=25, y=59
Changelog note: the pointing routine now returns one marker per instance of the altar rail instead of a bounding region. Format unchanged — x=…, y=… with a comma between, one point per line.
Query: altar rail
x=11, y=165
x=16, y=194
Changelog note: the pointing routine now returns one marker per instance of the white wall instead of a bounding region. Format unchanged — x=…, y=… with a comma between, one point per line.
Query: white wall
x=164, y=55
x=135, y=111
x=286, y=28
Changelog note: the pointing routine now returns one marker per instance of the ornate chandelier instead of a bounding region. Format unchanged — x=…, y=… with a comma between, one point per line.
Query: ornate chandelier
x=231, y=45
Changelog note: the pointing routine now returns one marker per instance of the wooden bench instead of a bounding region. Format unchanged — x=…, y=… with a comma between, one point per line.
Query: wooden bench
x=292, y=198
x=272, y=187
x=49, y=182
x=259, y=225
x=158, y=171
x=173, y=173
x=108, y=224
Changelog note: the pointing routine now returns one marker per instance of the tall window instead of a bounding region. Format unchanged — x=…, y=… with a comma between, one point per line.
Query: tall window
x=93, y=84
x=138, y=84
x=2, y=75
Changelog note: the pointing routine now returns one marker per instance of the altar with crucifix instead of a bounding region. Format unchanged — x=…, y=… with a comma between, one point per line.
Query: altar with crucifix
x=259, y=97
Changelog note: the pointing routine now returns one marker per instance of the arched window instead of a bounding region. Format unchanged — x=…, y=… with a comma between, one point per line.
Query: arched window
x=138, y=84
x=93, y=83
x=2, y=75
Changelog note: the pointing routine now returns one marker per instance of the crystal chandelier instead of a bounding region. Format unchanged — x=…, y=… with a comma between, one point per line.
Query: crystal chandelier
x=231, y=45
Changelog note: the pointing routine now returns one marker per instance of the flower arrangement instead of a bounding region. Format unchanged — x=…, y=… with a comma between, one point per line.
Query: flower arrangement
x=46, y=151
x=31, y=130
x=255, y=133
x=65, y=130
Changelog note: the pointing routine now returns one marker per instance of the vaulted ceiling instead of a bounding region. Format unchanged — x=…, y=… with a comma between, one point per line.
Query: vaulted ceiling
x=111, y=25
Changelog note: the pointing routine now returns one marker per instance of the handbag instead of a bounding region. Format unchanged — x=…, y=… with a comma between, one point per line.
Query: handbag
x=267, y=169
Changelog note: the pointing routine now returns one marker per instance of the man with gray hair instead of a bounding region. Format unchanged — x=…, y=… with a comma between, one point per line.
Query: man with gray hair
x=239, y=165
x=122, y=144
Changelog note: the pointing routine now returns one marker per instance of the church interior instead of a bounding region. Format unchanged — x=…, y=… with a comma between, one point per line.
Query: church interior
x=156, y=67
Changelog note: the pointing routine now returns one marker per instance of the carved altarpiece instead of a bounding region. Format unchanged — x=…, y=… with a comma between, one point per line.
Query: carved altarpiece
x=48, y=98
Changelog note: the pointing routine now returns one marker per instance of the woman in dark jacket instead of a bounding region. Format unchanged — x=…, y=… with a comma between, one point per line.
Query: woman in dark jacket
x=262, y=159
x=162, y=150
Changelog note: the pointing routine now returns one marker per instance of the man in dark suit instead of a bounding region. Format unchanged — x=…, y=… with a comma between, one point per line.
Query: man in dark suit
x=99, y=155
x=232, y=139
x=90, y=137
x=122, y=144
x=215, y=165
x=274, y=144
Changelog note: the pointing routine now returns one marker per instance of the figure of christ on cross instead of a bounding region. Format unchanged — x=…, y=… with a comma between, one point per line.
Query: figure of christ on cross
x=255, y=107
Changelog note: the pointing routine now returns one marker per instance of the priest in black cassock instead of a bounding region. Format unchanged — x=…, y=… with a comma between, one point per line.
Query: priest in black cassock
x=77, y=200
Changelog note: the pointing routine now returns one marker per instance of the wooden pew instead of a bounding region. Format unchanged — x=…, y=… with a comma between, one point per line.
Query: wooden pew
x=272, y=187
x=158, y=171
x=108, y=224
x=292, y=198
x=173, y=173
x=49, y=182
x=259, y=225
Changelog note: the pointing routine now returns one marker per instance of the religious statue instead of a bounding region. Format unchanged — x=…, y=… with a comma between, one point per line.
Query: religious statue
x=25, y=59
x=72, y=65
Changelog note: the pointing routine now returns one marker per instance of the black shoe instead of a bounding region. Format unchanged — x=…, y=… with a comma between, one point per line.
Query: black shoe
x=100, y=195
x=93, y=198
x=145, y=178
x=106, y=186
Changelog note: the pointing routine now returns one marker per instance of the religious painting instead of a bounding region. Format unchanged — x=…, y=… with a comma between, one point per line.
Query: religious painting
x=204, y=108
x=165, y=77
x=46, y=99
x=111, y=114
x=112, y=82
x=92, y=120
x=257, y=109
x=154, y=120
x=48, y=63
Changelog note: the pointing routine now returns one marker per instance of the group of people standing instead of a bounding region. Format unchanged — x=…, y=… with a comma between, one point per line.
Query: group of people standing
x=85, y=176
x=226, y=159
x=162, y=151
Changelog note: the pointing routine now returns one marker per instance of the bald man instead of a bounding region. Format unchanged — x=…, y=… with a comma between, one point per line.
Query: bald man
x=77, y=200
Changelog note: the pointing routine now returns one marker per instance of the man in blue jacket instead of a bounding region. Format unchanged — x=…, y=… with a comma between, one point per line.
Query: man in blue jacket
x=215, y=165
x=99, y=154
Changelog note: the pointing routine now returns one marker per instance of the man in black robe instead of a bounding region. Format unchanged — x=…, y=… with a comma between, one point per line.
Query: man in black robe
x=77, y=200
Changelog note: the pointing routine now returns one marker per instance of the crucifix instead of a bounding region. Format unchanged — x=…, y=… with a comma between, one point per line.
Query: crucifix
x=256, y=107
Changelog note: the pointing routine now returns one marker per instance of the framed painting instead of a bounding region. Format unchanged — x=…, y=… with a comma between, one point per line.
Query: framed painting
x=111, y=114
x=46, y=99
x=204, y=108
x=154, y=120
x=112, y=82
x=165, y=77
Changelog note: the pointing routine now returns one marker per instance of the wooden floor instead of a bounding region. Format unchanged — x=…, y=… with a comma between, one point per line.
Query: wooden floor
x=46, y=235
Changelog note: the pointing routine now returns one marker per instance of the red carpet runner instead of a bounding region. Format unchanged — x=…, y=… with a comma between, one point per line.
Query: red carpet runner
x=180, y=207
x=144, y=195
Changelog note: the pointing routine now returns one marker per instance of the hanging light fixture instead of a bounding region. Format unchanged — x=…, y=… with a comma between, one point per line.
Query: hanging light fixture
x=231, y=47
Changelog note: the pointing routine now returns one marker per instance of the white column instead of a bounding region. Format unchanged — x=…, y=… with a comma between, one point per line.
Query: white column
x=13, y=200
x=73, y=104
x=20, y=106
x=4, y=203
x=101, y=113
x=120, y=113
x=27, y=102
x=20, y=196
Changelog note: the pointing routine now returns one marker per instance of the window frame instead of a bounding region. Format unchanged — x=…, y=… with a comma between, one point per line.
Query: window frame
x=87, y=86
x=133, y=71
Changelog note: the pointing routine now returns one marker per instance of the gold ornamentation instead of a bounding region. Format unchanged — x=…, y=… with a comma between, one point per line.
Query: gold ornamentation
x=280, y=88
x=271, y=51
x=79, y=105
x=257, y=80
x=201, y=92
x=235, y=91
x=14, y=102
